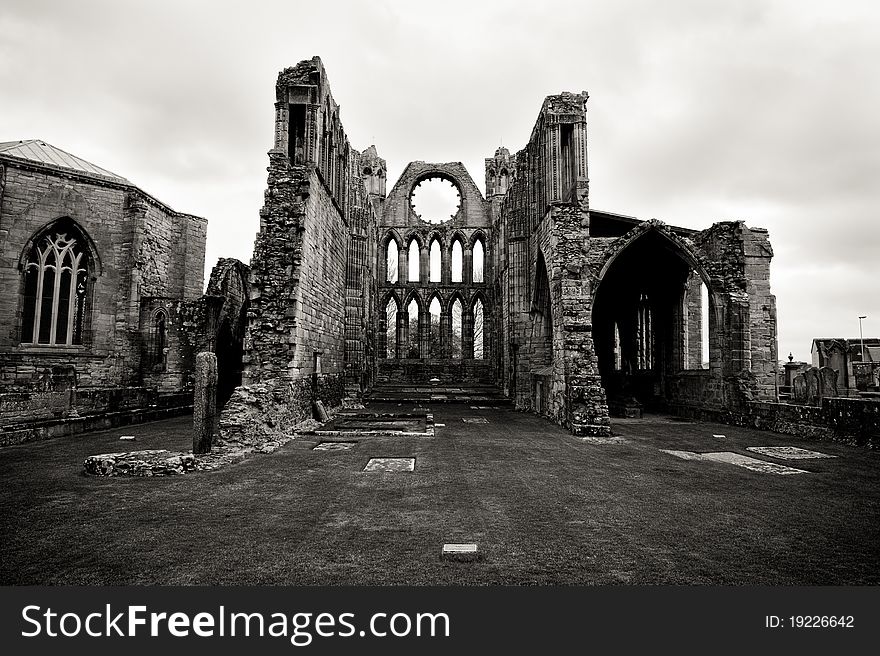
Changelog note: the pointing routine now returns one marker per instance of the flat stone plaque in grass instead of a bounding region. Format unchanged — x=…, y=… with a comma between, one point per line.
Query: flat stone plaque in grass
x=787, y=452
x=739, y=460
x=390, y=465
x=475, y=420
x=684, y=455
x=593, y=439
x=752, y=463
x=334, y=446
x=460, y=552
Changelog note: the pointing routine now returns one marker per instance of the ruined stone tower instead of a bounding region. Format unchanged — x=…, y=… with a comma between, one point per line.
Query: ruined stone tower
x=572, y=313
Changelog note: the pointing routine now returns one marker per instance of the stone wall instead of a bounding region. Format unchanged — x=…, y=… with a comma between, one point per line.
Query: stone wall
x=312, y=295
x=550, y=364
x=847, y=420
x=400, y=225
x=136, y=245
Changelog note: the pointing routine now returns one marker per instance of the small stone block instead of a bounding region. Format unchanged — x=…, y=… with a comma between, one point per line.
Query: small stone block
x=720, y=436
x=127, y=438
x=475, y=420
x=463, y=553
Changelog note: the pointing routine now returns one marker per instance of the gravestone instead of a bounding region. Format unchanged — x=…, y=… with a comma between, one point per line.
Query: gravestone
x=205, y=417
x=828, y=379
x=814, y=386
x=799, y=388
x=320, y=412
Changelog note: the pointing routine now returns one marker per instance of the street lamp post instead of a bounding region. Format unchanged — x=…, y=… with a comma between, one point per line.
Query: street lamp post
x=861, y=336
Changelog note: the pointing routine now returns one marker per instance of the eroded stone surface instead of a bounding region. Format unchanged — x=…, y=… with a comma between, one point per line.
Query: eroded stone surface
x=390, y=465
x=737, y=459
x=788, y=452
x=684, y=455
x=334, y=446
x=592, y=439
x=148, y=462
x=752, y=464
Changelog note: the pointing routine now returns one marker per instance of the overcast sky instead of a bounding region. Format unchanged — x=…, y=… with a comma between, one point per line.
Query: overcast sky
x=699, y=111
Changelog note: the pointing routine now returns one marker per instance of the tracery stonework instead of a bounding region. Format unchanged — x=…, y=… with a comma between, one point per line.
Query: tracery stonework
x=571, y=312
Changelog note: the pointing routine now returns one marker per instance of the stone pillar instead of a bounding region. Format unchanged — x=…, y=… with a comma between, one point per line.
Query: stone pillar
x=205, y=418
x=402, y=333
x=382, y=335
x=424, y=332
x=281, y=126
x=424, y=264
x=467, y=333
x=694, y=323
x=402, y=265
x=445, y=334
x=467, y=258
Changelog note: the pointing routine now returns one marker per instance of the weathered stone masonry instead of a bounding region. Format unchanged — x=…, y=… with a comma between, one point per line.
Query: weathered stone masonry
x=312, y=287
x=138, y=254
x=582, y=310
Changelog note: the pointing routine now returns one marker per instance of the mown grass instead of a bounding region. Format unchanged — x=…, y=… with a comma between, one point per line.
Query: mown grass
x=545, y=508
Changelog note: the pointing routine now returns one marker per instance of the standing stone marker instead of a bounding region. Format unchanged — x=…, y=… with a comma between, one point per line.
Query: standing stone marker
x=205, y=419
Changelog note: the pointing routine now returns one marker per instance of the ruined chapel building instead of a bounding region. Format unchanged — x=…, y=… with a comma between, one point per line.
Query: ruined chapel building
x=572, y=313
x=101, y=297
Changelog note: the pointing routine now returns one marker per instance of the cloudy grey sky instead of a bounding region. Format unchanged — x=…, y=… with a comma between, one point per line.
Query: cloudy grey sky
x=699, y=110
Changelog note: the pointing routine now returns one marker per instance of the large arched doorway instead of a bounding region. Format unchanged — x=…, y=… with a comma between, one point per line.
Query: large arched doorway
x=649, y=322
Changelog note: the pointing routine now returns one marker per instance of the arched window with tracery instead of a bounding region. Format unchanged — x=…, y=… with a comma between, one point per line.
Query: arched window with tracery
x=56, y=283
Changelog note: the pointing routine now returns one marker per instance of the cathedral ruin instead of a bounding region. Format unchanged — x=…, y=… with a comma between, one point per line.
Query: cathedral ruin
x=524, y=296
x=569, y=312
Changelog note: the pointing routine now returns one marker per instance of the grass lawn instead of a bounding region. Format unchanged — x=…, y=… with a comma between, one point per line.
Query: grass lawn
x=544, y=507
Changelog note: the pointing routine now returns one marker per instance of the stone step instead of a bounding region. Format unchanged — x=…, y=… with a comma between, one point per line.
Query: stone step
x=485, y=394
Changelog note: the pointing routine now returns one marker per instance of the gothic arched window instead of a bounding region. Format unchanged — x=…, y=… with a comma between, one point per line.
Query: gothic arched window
x=391, y=266
x=477, y=261
x=414, y=265
x=435, y=265
x=159, y=340
x=457, y=261
x=55, y=286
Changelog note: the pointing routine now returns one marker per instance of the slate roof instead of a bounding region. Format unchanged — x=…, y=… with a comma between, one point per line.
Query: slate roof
x=37, y=150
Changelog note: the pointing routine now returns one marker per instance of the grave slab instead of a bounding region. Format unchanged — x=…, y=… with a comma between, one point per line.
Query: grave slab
x=334, y=446
x=591, y=439
x=787, y=452
x=752, y=464
x=737, y=459
x=390, y=465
